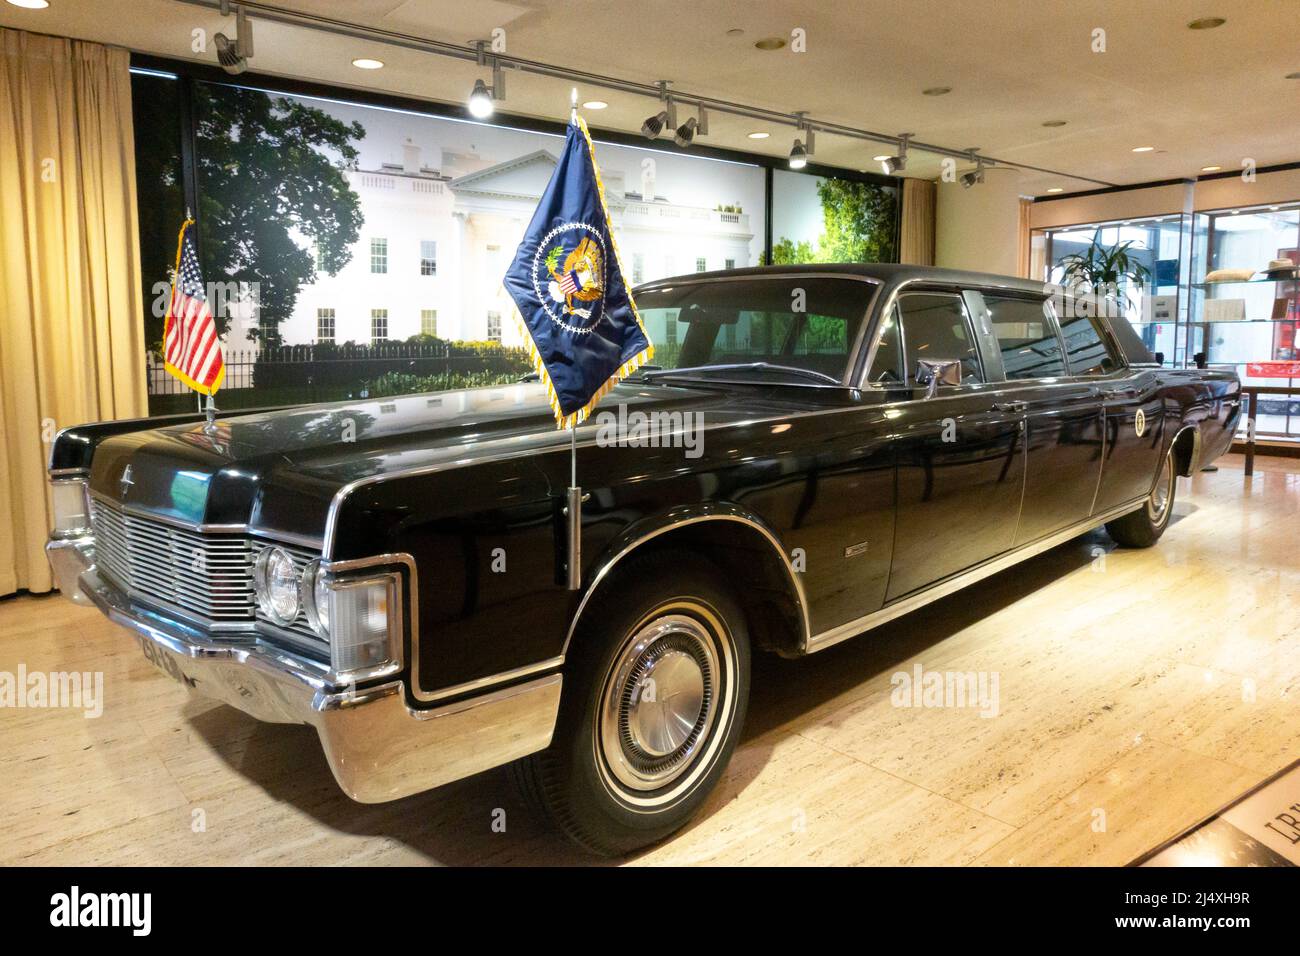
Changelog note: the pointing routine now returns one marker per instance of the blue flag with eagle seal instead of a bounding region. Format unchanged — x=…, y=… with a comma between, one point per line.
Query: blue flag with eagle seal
x=584, y=332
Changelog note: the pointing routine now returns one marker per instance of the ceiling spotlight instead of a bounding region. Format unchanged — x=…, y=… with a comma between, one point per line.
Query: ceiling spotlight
x=1210, y=169
x=936, y=91
x=1143, y=149
x=880, y=159
x=594, y=105
x=1056, y=189
x=798, y=155
x=896, y=164
x=685, y=134
x=1206, y=23
x=233, y=55
x=976, y=175
x=483, y=98
x=31, y=4
x=654, y=125
x=759, y=134
x=365, y=63
x=480, y=101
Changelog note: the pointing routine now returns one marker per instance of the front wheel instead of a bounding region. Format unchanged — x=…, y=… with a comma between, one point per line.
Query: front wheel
x=1143, y=528
x=655, y=693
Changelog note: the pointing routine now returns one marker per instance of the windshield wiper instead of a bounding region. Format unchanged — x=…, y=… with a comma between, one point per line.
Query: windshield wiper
x=708, y=370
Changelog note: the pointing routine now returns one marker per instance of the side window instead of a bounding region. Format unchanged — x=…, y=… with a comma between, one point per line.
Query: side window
x=1086, y=347
x=935, y=327
x=886, y=367
x=1026, y=336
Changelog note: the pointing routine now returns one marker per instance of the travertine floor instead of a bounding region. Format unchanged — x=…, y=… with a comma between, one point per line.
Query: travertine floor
x=1137, y=692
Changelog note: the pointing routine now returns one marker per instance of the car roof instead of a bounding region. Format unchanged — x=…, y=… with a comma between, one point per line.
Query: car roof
x=889, y=274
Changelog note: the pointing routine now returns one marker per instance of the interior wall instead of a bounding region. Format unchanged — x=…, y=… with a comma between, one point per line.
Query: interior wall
x=979, y=228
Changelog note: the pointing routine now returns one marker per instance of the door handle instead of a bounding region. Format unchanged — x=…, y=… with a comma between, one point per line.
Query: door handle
x=1012, y=407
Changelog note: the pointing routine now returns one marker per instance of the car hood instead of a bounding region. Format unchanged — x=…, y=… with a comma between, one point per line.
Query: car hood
x=276, y=471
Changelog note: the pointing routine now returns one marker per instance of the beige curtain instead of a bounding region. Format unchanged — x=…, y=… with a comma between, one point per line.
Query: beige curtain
x=916, y=240
x=71, y=332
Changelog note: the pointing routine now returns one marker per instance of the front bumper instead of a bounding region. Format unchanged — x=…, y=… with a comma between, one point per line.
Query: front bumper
x=378, y=746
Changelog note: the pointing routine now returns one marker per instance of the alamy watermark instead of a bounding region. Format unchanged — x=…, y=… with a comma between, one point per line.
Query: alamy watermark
x=922, y=688
x=74, y=690
x=658, y=429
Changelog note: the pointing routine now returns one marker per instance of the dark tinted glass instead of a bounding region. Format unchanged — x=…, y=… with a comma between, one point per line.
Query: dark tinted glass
x=935, y=327
x=1030, y=348
x=1085, y=343
x=810, y=323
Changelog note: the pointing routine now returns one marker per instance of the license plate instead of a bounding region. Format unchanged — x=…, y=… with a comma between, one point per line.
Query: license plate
x=162, y=660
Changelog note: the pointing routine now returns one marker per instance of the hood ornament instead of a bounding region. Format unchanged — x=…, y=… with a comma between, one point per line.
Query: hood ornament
x=125, y=481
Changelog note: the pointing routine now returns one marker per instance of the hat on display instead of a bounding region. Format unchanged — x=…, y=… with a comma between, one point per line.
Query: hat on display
x=1281, y=269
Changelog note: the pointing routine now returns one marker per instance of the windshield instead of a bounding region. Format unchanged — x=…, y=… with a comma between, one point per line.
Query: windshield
x=756, y=326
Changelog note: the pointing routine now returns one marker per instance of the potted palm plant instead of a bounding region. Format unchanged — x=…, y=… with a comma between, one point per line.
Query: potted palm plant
x=1100, y=269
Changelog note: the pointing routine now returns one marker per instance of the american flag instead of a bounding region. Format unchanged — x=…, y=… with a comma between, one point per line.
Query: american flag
x=569, y=283
x=191, y=349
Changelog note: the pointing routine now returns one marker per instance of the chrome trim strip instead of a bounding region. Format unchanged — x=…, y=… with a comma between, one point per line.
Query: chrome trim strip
x=286, y=537
x=953, y=584
x=553, y=663
x=681, y=523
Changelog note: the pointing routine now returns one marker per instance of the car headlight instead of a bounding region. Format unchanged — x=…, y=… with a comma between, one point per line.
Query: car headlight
x=316, y=598
x=277, y=582
x=71, y=508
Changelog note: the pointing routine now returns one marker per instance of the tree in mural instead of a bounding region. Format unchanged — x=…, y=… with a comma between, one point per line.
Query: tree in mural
x=264, y=176
x=859, y=226
x=270, y=169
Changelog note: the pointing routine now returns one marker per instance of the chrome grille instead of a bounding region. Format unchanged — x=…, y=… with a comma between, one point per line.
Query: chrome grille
x=208, y=576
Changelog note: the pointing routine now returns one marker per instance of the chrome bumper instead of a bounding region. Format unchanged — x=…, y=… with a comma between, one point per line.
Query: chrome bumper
x=378, y=747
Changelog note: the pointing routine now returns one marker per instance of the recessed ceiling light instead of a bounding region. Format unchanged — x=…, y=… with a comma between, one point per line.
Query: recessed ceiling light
x=1274, y=208
x=1206, y=23
x=594, y=105
x=1143, y=149
x=759, y=135
x=1055, y=123
x=1210, y=169
x=1236, y=212
x=1056, y=189
x=31, y=4
x=936, y=90
x=365, y=63
x=735, y=32
x=770, y=43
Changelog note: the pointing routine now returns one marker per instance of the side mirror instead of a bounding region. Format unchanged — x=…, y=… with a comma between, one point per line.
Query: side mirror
x=935, y=372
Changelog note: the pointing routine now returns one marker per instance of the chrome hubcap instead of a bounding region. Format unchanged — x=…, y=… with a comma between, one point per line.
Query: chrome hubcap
x=659, y=702
x=1162, y=494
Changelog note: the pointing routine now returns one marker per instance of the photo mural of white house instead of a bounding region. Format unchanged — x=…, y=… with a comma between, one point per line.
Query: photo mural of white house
x=445, y=205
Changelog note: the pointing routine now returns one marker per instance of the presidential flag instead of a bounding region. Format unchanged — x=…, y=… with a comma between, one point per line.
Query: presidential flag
x=191, y=348
x=583, y=329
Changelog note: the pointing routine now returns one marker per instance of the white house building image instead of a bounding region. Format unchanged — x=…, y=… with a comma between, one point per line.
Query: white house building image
x=437, y=240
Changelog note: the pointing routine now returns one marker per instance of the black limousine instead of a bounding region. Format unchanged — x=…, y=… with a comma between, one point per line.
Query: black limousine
x=820, y=449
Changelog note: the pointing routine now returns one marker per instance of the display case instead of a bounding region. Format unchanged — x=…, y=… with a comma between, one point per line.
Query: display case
x=1157, y=309
x=1242, y=316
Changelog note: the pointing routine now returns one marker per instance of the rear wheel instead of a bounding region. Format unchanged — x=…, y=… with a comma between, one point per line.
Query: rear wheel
x=1143, y=528
x=655, y=692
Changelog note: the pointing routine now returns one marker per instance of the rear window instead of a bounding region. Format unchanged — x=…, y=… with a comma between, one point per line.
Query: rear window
x=804, y=322
x=1026, y=336
x=1086, y=347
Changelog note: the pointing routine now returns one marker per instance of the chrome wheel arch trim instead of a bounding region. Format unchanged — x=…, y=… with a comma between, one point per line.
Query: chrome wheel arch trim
x=1195, y=459
x=674, y=522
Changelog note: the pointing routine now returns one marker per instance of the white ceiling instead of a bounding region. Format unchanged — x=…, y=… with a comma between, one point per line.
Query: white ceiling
x=1200, y=97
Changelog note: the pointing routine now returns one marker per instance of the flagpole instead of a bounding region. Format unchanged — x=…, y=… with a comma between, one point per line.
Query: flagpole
x=574, y=509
